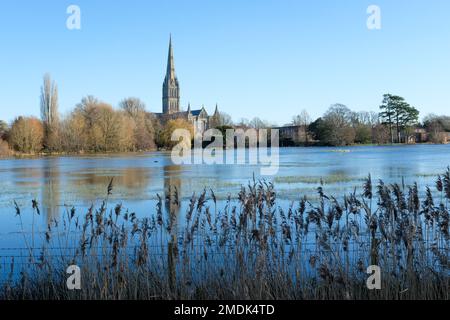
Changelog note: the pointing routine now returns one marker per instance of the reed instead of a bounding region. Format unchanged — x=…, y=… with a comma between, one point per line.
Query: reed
x=251, y=248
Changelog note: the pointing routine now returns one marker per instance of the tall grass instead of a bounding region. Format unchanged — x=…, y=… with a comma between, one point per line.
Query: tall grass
x=249, y=248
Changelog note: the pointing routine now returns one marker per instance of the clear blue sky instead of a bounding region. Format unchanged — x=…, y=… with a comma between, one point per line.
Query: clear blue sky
x=255, y=57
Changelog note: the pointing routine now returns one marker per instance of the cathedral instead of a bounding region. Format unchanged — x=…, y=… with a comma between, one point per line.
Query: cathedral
x=171, y=100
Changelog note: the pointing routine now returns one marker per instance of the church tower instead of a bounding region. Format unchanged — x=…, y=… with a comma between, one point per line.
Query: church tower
x=171, y=87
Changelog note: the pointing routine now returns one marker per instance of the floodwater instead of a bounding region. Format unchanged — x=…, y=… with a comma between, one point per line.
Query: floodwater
x=60, y=183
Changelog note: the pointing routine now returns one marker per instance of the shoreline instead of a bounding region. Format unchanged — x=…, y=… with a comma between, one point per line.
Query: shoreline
x=19, y=156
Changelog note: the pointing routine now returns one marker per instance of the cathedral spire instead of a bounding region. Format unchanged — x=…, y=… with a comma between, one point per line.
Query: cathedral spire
x=170, y=75
x=171, y=87
x=216, y=112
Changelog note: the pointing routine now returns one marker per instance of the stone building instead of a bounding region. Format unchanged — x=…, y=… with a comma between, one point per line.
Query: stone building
x=171, y=100
x=293, y=135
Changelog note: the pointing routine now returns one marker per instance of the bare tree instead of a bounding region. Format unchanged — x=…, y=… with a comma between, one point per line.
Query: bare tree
x=49, y=112
x=437, y=126
x=101, y=128
x=132, y=106
x=336, y=128
x=88, y=109
x=74, y=133
x=257, y=123
x=221, y=119
x=303, y=120
x=144, y=129
x=27, y=135
x=243, y=123
x=4, y=147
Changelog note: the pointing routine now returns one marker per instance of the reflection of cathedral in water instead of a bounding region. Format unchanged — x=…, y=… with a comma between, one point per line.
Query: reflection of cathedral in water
x=51, y=187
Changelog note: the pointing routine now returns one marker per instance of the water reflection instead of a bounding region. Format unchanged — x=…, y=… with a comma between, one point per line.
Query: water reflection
x=55, y=182
x=172, y=190
x=27, y=176
x=51, y=188
x=128, y=183
x=172, y=195
x=81, y=181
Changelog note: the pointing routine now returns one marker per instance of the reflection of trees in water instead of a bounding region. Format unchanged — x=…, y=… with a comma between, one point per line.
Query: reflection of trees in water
x=127, y=181
x=85, y=186
x=23, y=173
x=172, y=190
x=51, y=177
x=43, y=180
x=27, y=177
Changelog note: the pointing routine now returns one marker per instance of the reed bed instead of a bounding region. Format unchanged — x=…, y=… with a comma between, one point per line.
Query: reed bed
x=247, y=248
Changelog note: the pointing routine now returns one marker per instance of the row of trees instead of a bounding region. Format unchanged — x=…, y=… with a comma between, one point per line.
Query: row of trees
x=341, y=126
x=437, y=127
x=93, y=126
x=4, y=147
x=395, y=123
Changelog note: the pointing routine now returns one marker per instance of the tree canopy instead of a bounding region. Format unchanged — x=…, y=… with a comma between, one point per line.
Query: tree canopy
x=396, y=112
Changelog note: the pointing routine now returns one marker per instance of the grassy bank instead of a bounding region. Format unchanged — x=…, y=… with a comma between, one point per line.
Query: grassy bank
x=250, y=248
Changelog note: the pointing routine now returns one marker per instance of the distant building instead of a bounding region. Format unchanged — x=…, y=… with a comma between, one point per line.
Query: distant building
x=421, y=135
x=171, y=100
x=447, y=137
x=293, y=135
x=442, y=137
